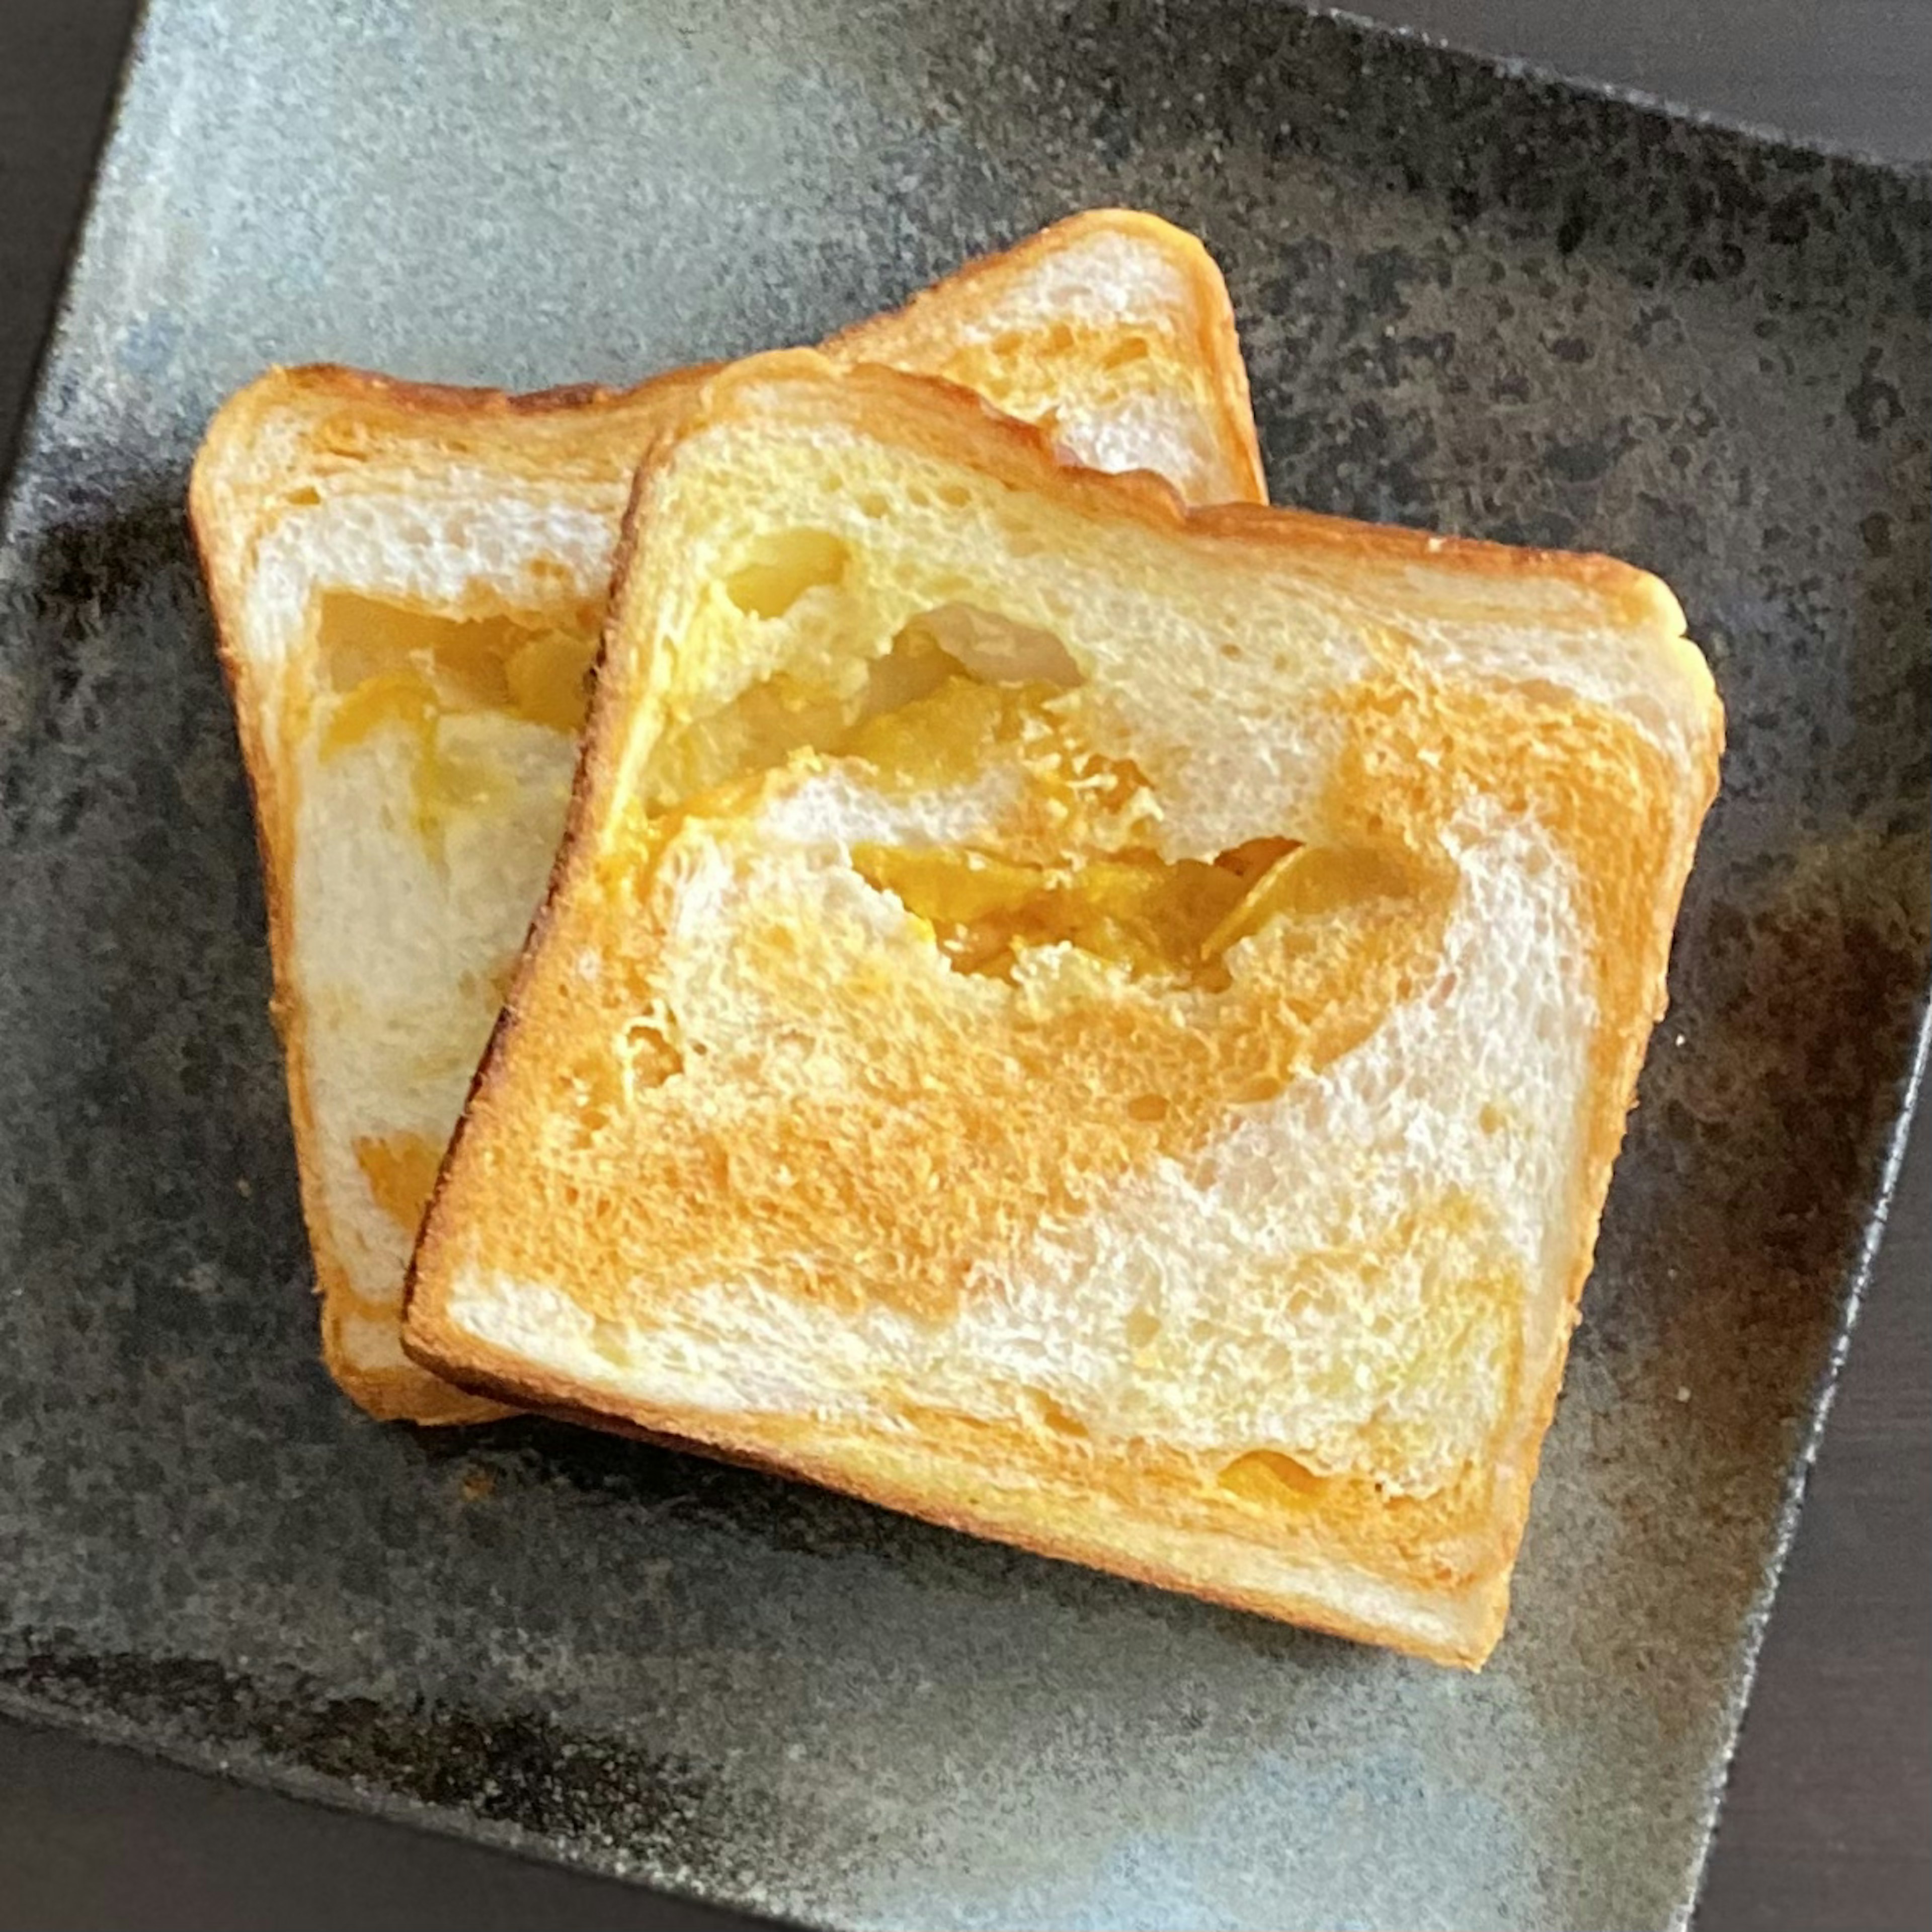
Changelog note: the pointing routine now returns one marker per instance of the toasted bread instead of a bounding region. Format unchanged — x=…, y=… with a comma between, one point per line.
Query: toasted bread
x=1104, y=1026
x=407, y=582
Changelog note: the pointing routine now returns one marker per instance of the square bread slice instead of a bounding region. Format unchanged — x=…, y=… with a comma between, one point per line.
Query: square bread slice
x=408, y=582
x=1102, y=1026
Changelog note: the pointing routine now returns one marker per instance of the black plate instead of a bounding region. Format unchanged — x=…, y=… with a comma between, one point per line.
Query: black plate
x=1472, y=300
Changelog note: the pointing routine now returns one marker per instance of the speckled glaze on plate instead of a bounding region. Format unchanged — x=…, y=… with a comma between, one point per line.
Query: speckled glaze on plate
x=1472, y=300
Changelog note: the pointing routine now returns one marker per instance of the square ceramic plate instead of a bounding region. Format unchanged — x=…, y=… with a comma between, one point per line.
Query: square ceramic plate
x=1472, y=300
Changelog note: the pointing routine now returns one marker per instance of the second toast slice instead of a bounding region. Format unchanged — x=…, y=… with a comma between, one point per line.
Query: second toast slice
x=408, y=583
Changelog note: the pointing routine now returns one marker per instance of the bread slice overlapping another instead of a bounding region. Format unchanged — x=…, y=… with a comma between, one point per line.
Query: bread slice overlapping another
x=1102, y=1025
x=408, y=583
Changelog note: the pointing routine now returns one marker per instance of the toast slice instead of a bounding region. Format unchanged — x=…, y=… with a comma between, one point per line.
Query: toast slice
x=1102, y=1026
x=407, y=583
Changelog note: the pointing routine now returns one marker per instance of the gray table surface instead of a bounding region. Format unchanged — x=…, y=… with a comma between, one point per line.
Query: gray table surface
x=1829, y=1817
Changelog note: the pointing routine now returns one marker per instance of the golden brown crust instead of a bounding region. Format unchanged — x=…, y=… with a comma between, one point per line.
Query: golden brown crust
x=1587, y=594
x=918, y=333
x=1469, y=1628
x=225, y=537
x=905, y=409
x=293, y=427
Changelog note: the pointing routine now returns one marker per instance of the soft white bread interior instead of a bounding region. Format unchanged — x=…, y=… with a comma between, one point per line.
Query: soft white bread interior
x=1105, y=1026
x=407, y=583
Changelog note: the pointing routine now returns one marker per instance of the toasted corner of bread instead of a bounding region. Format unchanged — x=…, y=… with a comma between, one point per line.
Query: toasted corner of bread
x=1101, y=1024
x=1137, y=306
x=360, y=1348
